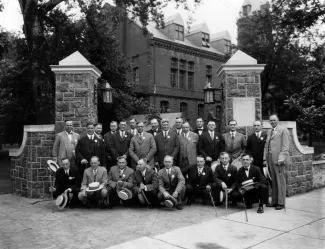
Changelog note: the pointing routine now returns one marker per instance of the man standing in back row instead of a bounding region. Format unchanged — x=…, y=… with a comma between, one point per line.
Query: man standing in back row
x=235, y=142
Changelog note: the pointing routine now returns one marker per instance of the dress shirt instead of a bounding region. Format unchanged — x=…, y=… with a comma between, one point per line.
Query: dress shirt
x=168, y=171
x=91, y=137
x=233, y=134
x=69, y=135
x=247, y=171
x=67, y=172
x=225, y=167
x=211, y=134
x=122, y=133
x=258, y=134
x=186, y=134
x=133, y=131
x=199, y=170
x=179, y=131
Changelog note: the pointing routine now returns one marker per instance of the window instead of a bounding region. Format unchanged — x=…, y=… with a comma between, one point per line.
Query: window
x=200, y=110
x=136, y=74
x=182, y=64
x=191, y=66
x=183, y=109
x=227, y=46
x=208, y=74
x=208, y=70
x=179, y=32
x=173, y=78
x=190, y=81
x=173, y=63
x=205, y=40
x=246, y=9
x=164, y=106
x=182, y=78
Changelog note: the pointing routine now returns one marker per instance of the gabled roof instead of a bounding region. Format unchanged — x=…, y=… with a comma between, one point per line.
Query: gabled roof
x=199, y=27
x=176, y=18
x=220, y=35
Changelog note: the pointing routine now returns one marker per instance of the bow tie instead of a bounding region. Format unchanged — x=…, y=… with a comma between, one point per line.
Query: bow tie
x=200, y=129
x=246, y=169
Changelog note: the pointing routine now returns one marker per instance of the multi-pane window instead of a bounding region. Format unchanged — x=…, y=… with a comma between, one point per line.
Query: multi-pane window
x=190, y=66
x=179, y=32
x=183, y=109
x=208, y=74
x=173, y=63
x=190, y=81
x=246, y=9
x=205, y=40
x=164, y=106
x=227, y=46
x=182, y=79
x=200, y=110
x=182, y=64
x=136, y=74
x=173, y=77
x=182, y=74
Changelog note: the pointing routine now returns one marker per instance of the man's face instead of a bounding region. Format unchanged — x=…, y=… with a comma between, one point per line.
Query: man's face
x=168, y=162
x=68, y=126
x=122, y=126
x=94, y=162
x=90, y=129
x=154, y=124
x=257, y=126
x=211, y=126
x=121, y=163
x=186, y=127
x=232, y=125
x=224, y=159
x=199, y=123
x=246, y=161
x=274, y=121
x=98, y=129
x=65, y=164
x=141, y=165
x=179, y=123
x=113, y=126
x=165, y=126
x=140, y=127
x=133, y=124
x=200, y=162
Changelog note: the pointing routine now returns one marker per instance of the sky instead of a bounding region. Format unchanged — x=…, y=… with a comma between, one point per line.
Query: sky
x=218, y=14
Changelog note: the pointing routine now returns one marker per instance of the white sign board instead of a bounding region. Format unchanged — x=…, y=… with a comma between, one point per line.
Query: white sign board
x=244, y=111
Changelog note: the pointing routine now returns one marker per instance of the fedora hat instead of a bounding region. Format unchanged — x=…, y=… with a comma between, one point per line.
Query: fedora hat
x=170, y=202
x=267, y=173
x=53, y=166
x=125, y=194
x=61, y=201
x=94, y=186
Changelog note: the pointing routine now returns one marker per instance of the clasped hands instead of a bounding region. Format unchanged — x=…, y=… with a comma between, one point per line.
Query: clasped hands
x=142, y=187
x=167, y=195
x=225, y=188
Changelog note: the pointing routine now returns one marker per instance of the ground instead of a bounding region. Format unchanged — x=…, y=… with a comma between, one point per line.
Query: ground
x=23, y=225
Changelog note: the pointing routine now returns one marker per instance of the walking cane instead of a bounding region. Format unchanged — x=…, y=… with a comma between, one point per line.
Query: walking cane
x=145, y=197
x=226, y=193
x=213, y=202
x=51, y=191
x=245, y=207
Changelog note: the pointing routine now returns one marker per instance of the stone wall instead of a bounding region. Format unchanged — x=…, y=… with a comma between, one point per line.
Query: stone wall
x=29, y=174
x=318, y=174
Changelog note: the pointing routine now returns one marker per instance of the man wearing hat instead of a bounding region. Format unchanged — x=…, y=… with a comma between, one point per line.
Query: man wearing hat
x=225, y=179
x=94, y=174
x=67, y=181
x=171, y=183
x=145, y=182
x=251, y=184
x=120, y=183
x=199, y=179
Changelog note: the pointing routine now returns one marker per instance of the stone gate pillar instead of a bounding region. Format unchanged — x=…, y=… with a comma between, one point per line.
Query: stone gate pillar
x=242, y=91
x=76, y=92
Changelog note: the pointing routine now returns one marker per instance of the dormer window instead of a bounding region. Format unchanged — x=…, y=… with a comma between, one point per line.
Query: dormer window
x=246, y=9
x=205, y=40
x=227, y=46
x=179, y=30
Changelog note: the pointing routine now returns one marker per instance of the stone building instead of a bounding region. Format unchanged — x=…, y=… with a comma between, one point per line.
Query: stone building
x=249, y=6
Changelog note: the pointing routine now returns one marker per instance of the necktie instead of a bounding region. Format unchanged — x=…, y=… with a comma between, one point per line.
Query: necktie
x=95, y=171
x=211, y=135
x=200, y=172
x=257, y=134
x=178, y=132
x=121, y=173
x=66, y=172
x=225, y=168
x=246, y=171
x=144, y=176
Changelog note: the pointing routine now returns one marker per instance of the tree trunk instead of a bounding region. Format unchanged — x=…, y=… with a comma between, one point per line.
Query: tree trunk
x=310, y=137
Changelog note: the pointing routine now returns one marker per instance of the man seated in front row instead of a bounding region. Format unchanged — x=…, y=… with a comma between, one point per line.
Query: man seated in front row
x=145, y=182
x=251, y=184
x=171, y=182
x=67, y=180
x=120, y=178
x=199, y=179
x=93, y=186
x=225, y=178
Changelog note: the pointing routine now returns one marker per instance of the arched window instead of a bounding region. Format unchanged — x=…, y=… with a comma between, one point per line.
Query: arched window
x=183, y=109
x=164, y=106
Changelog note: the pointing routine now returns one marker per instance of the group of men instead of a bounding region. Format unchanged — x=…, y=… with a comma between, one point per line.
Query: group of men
x=141, y=166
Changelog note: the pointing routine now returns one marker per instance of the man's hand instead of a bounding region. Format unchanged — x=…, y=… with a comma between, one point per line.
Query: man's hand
x=84, y=161
x=166, y=195
x=280, y=163
x=242, y=191
x=223, y=185
x=142, y=186
x=264, y=163
x=229, y=190
x=209, y=159
x=67, y=190
x=84, y=192
x=52, y=189
x=175, y=194
x=55, y=159
x=208, y=188
x=120, y=184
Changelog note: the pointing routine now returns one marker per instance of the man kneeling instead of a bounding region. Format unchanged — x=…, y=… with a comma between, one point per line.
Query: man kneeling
x=93, y=186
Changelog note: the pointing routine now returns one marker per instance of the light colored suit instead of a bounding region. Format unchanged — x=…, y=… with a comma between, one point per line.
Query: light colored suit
x=277, y=150
x=126, y=177
x=237, y=148
x=188, y=147
x=89, y=177
x=63, y=148
x=142, y=148
x=176, y=183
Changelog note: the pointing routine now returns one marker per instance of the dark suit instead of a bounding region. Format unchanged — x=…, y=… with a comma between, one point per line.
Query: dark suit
x=166, y=146
x=119, y=146
x=150, y=181
x=153, y=132
x=195, y=183
x=255, y=147
x=87, y=148
x=260, y=190
x=197, y=131
x=108, y=137
x=210, y=148
x=64, y=181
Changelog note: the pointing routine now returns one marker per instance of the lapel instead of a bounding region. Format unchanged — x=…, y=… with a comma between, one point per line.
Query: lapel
x=207, y=134
x=229, y=137
x=66, y=138
x=140, y=141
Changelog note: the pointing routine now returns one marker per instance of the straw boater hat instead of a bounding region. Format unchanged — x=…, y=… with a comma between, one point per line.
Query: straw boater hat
x=61, y=201
x=94, y=186
x=125, y=194
x=170, y=202
x=53, y=166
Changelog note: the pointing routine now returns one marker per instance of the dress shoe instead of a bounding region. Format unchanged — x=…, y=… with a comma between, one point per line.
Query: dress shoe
x=270, y=205
x=179, y=206
x=188, y=202
x=260, y=210
x=249, y=206
x=279, y=207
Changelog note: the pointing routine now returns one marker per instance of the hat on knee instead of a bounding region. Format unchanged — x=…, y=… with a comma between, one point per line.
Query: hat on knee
x=170, y=201
x=125, y=194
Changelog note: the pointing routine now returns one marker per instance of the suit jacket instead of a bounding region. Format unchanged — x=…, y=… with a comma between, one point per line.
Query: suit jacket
x=135, y=130
x=197, y=131
x=255, y=147
x=166, y=146
x=278, y=144
x=87, y=148
x=61, y=145
x=152, y=132
x=175, y=183
x=119, y=146
x=210, y=148
x=126, y=178
x=63, y=181
x=108, y=137
x=193, y=178
x=253, y=173
x=238, y=147
x=188, y=147
x=229, y=177
x=89, y=177
x=150, y=180
x=143, y=148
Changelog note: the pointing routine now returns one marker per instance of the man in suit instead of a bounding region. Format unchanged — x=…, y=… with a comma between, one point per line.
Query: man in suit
x=142, y=146
x=167, y=143
x=255, y=144
x=133, y=127
x=178, y=126
x=188, y=147
x=225, y=179
x=154, y=127
x=65, y=144
x=200, y=126
x=89, y=146
x=120, y=143
x=171, y=182
x=210, y=144
x=257, y=191
x=199, y=179
x=235, y=142
x=98, y=130
x=95, y=173
x=276, y=158
x=108, y=137
x=145, y=180
x=119, y=177
x=67, y=180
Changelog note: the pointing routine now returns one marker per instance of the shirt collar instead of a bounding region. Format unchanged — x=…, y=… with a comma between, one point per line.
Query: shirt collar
x=258, y=132
x=143, y=172
x=67, y=171
x=248, y=167
x=227, y=165
x=69, y=133
x=90, y=136
x=200, y=169
x=233, y=132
